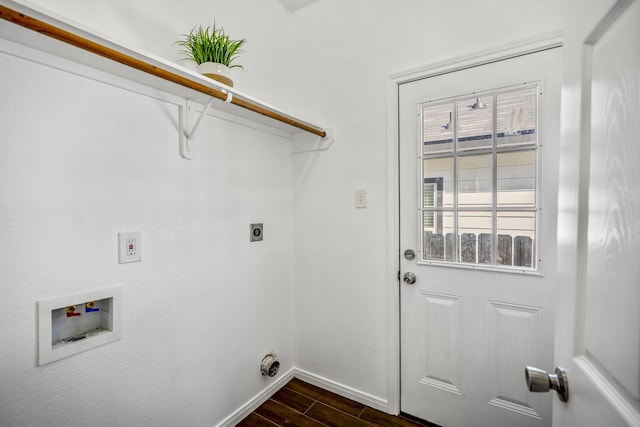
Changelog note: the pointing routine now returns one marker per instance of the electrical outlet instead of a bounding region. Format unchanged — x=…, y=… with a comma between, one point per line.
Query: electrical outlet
x=129, y=246
x=256, y=232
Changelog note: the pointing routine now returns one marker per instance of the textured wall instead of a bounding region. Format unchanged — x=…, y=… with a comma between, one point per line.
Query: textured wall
x=202, y=293
x=345, y=51
x=82, y=160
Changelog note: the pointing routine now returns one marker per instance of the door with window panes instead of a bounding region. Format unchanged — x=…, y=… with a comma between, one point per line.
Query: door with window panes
x=478, y=186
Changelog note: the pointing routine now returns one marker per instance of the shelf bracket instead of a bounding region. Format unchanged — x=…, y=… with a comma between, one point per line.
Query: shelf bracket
x=304, y=142
x=187, y=136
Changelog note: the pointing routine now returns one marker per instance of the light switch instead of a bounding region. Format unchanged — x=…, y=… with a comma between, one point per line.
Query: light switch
x=360, y=198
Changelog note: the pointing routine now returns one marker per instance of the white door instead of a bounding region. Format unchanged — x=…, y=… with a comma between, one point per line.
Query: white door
x=481, y=307
x=598, y=321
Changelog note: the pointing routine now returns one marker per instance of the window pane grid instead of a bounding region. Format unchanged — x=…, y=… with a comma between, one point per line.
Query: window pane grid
x=484, y=151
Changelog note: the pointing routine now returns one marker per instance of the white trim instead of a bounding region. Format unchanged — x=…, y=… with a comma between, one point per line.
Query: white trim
x=621, y=405
x=326, y=384
x=510, y=50
x=253, y=403
x=341, y=389
x=393, y=252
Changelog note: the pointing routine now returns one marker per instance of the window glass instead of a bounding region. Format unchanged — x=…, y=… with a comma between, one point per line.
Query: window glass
x=439, y=170
x=517, y=179
x=437, y=128
x=475, y=229
x=516, y=117
x=438, y=242
x=519, y=229
x=475, y=123
x=430, y=198
x=474, y=181
x=479, y=179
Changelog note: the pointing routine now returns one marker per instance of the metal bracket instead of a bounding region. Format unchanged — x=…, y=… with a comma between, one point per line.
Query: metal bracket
x=187, y=136
x=303, y=142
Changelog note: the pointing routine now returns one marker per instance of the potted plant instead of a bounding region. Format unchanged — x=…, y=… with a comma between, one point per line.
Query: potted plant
x=213, y=51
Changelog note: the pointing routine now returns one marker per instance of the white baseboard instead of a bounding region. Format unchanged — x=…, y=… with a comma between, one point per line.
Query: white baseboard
x=343, y=390
x=327, y=384
x=257, y=400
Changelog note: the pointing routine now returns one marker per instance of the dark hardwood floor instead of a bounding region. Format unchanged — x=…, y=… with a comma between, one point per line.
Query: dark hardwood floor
x=301, y=404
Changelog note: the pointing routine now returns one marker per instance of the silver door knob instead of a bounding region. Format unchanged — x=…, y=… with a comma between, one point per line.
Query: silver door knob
x=540, y=381
x=409, y=278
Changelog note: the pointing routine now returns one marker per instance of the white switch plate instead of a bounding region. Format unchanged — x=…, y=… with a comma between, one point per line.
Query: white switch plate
x=129, y=246
x=360, y=198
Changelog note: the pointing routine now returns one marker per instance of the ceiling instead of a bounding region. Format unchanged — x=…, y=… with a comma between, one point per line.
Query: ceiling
x=293, y=5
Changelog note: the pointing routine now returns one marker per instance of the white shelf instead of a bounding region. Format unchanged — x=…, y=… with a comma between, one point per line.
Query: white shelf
x=41, y=30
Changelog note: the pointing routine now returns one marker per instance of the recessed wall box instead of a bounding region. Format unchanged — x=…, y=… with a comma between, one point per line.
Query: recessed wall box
x=70, y=324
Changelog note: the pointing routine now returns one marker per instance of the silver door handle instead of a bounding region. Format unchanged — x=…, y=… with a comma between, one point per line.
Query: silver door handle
x=540, y=381
x=409, y=278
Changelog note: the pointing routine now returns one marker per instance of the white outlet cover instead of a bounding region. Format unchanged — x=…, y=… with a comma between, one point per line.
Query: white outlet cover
x=129, y=246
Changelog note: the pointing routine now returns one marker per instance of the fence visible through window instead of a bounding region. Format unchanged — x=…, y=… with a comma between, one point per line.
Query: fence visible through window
x=515, y=251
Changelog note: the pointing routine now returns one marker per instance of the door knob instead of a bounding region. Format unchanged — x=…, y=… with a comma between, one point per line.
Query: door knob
x=409, y=278
x=540, y=381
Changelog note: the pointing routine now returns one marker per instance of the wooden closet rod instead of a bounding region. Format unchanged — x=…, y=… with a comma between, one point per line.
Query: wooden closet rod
x=106, y=52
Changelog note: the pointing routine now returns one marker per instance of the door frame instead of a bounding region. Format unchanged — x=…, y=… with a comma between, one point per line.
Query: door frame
x=394, y=81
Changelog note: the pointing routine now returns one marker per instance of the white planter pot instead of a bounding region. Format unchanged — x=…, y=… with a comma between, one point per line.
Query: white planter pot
x=216, y=72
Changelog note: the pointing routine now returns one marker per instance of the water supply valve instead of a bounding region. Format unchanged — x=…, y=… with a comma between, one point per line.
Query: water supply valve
x=71, y=311
x=90, y=307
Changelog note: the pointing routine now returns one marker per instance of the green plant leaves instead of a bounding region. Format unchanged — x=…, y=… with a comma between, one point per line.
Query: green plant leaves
x=211, y=44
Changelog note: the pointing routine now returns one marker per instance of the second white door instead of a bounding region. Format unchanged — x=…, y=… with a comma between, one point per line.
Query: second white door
x=478, y=210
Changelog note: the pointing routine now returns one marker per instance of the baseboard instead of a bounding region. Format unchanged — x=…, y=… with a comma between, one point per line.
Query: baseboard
x=257, y=400
x=327, y=384
x=343, y=390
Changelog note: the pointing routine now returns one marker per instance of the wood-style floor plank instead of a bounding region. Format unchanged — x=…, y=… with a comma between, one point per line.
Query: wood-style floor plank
x=301, y=404
x=293, y=399
x=255, y=420
x=324, y=396
x=284, y=416
x=333, y=417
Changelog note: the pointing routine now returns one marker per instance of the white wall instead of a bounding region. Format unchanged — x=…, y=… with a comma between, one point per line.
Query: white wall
x=82, y=160
x=344, y=53
x=202, y=294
